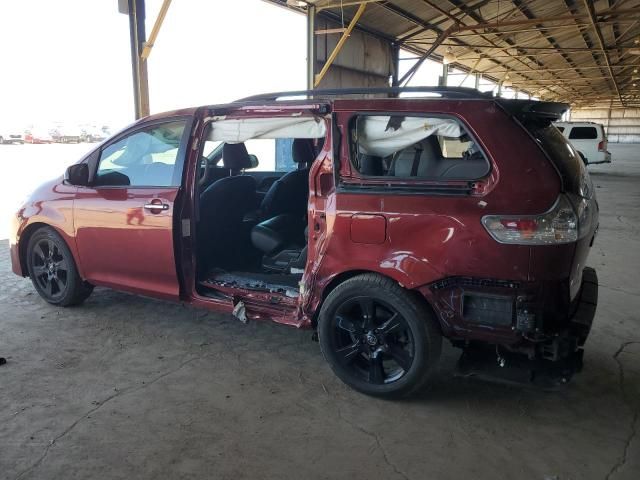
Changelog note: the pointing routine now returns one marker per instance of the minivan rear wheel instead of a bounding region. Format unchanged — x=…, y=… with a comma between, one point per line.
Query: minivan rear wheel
x=377, y=337
x=53, y=271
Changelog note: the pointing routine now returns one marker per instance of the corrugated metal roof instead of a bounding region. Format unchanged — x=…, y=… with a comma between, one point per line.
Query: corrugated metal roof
x=580, y=51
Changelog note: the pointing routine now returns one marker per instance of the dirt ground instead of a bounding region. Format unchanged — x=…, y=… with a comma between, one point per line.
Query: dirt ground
x=126, y=387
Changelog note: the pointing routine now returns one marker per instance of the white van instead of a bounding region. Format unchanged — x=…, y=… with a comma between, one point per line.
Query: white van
x=588, y=138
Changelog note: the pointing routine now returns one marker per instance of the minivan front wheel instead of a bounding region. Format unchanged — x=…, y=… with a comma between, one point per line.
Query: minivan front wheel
x=53, y=271
x=377, y=337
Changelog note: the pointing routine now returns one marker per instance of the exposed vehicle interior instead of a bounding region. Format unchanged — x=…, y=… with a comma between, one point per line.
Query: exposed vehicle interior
x=252, y=207
x=415, y=147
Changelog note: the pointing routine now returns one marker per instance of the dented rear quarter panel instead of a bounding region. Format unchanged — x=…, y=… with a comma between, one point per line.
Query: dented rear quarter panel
x=427, y=236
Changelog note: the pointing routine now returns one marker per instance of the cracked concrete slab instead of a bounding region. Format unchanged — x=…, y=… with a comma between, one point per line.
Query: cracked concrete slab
x=126, y=387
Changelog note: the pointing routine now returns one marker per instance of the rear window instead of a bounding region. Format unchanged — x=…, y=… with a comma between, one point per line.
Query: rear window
x=574, y=175
x=583, y=133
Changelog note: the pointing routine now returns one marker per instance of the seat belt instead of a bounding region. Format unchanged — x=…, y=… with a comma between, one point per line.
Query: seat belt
x=416, y=162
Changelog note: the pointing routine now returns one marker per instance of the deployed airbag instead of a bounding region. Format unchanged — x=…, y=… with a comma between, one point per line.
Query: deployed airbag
x=237, y=130
x=383, y=135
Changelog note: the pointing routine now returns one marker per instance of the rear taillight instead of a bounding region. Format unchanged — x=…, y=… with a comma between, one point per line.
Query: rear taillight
x=558, y=225
x=601, y=147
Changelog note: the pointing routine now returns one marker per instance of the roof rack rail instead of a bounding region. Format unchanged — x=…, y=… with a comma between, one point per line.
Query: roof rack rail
x=445, y=92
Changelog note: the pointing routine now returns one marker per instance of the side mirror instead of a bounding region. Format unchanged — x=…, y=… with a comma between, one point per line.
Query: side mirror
x=78, y=175
x=254, y=161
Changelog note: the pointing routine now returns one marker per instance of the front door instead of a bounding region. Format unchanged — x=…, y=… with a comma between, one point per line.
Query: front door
x=124, y=220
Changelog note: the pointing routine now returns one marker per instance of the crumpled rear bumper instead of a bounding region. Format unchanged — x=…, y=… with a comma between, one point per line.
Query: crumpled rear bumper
x=546, y=363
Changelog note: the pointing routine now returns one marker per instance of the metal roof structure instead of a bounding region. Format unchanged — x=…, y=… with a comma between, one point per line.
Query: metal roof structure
x=583, y=52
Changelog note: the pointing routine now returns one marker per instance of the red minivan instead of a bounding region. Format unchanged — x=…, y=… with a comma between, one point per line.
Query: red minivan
x=385, y=223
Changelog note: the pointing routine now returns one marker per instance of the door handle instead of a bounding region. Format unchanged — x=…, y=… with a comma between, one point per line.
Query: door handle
x=156, y=206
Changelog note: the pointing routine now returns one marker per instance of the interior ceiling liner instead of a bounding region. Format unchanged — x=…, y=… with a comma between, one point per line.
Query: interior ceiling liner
x=237, y=130
x=383, y=135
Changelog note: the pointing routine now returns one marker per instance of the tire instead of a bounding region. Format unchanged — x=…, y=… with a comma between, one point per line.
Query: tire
x=378, y=338
x=1, y=140
x=53, y=271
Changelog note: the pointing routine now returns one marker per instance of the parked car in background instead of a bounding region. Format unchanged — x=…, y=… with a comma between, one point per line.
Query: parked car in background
x=92, y=134
x=66, y=134
x=382, y=224
x=10, y=135
x=37, y=135
x=588, y=138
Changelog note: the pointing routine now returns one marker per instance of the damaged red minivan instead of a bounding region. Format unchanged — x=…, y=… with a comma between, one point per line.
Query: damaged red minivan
x=385, y=224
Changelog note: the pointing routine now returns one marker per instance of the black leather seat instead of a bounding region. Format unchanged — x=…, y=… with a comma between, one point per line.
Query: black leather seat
x=289, y=194
x=278, y=232
x=223, y=205
x=283, y=241
x=281, y=237
x=425, y=160
x=371, y=166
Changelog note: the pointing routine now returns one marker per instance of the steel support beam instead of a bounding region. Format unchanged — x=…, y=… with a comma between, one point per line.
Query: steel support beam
x=148, y=45
x=592, y=16
x=444, y=79
x=395, y=57
x=137, y=37
x=470, y=72
x=339, y=45
x=407, y=76
x=311, y=46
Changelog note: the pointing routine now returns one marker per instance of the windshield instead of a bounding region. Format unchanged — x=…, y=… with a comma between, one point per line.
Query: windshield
x=574, y=174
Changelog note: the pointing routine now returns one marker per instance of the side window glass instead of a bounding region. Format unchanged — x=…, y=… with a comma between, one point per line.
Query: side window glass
x=424, y=148
x=583, y=133
x=146, y=158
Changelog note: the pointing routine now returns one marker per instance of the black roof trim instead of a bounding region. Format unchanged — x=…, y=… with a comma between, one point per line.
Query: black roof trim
x=444, y=92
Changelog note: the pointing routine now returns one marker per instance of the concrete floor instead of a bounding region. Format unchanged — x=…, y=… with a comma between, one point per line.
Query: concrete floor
x=127, y=387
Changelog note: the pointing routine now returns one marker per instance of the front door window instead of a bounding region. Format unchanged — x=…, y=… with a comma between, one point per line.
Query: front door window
x=147, y=158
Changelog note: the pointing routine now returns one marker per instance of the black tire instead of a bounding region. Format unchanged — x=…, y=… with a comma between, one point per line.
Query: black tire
x=53, y=271
x=378, y=338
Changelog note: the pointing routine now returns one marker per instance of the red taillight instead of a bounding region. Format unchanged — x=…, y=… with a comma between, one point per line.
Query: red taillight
x=601, y=146
x=558, y=225
x=520, y=224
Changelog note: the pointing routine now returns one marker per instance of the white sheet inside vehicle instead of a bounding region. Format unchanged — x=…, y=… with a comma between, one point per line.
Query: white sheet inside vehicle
x=380, y=137
x=240, y=130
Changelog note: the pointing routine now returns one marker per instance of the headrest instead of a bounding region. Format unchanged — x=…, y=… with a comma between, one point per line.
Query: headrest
x=235, y=156
x=302, y=150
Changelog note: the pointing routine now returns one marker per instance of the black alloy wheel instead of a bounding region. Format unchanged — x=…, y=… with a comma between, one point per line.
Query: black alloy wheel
x=378, y=338
x=50, y=268
x=53, y=271
x=372, y=340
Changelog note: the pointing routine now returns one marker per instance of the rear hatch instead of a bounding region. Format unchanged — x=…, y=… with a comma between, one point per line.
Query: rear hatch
x=536, y=118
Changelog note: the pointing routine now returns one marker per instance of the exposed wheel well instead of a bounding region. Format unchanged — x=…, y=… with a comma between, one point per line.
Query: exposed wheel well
x=24, y=241
x=342, y=277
